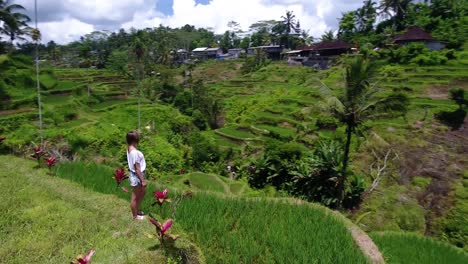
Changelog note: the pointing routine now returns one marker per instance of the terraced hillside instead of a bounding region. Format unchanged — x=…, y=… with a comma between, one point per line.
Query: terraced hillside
x=214, y=228
x=278, y=102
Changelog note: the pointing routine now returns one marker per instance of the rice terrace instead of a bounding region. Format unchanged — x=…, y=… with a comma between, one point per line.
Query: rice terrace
x=216, y=131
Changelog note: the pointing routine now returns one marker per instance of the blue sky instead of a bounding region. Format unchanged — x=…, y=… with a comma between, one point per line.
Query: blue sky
x=165, y=6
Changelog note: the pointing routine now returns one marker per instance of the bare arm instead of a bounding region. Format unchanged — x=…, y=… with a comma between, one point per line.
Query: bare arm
x=139, y=174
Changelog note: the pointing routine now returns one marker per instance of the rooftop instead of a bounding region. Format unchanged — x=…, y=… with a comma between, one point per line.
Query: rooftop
x=414, y=33
x=200, y=49
x=265, y=47
x=335, y=44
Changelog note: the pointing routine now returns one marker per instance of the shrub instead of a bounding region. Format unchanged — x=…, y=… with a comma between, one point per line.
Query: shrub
x=204, y=149
x=160, y=156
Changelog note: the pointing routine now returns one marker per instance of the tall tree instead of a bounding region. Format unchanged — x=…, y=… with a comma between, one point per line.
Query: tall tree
x=397, y=10
x=347, y=26
x=366, y=16
x=328, y=36
x=226, y=41
x=362, y=101
x=14, y=20
x=290, y=25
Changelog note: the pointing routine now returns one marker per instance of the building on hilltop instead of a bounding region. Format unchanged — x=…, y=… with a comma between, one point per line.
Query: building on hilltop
x=332, y=48
x=207, y=53
x=180, y=56
x=320, y=55
x=273, y=52
x=235, y=53
x=417, y=34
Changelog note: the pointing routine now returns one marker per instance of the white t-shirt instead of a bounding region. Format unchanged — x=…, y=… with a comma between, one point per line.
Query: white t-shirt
x=135, y=156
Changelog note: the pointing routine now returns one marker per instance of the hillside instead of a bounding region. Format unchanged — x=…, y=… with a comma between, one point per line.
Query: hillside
x=47, y=219
x=90, y=212
x=280, y=103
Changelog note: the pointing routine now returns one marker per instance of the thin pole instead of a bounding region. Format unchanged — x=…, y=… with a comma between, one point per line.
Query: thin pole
x=37, y=77
x=139, y=122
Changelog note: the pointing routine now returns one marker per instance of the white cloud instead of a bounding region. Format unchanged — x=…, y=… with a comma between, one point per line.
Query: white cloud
x=66, y=20
x=64, y=31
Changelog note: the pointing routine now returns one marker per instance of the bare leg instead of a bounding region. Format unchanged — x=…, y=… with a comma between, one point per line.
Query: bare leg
x=134, y=201
x=141, y=194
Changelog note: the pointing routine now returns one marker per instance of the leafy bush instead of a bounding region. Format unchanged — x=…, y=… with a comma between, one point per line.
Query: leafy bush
x=160, y=156
x=277, y=165
x=256, y=62
x=452, y=228
x=432, y=58
x=204, y=149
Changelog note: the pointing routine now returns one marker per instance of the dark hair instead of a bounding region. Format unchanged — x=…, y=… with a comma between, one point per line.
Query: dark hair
x=133, y=137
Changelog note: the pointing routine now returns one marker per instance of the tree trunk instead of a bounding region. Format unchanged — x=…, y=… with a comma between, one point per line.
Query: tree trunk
x=349, y=132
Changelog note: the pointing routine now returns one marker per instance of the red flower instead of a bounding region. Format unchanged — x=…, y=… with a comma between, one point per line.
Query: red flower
x=120, y=176
x=162, y=228
x=166, y=226
x=85, y=259
x=38, y=153
x=51, y=161
x=161, y=197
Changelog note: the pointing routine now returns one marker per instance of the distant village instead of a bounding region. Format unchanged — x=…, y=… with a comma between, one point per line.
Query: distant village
x=319, y=55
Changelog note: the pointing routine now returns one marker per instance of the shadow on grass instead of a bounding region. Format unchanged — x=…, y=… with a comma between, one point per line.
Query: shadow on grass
x=454, y=119
x=155, y=247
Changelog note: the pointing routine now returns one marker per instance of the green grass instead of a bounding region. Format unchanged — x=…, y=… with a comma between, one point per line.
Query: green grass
x=206, y=182
x=46, y=219
x=233, y=230
x=237, y=132
x=236, y=230
x=285, y=132
x=411, y=248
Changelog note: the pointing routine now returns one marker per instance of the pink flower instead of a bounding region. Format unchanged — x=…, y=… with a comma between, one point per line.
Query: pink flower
x=161, y=197
x=38, y=153
x=162, y=228
x=166, y=226
x=85, y=259
x=120, y=176
x=51, y=161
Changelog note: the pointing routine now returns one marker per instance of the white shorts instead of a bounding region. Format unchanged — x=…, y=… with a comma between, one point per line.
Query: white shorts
x=134, y=180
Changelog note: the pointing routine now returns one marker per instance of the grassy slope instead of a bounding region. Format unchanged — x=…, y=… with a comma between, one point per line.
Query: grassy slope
x=236, y=230
x=50, y=220
x=411, y=248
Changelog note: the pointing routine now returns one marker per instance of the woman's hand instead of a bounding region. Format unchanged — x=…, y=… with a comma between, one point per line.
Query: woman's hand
x=143, y=183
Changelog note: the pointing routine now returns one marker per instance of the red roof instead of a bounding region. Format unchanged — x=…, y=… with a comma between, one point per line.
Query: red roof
x=311, y=47
x=413, y=33
x=336, y=44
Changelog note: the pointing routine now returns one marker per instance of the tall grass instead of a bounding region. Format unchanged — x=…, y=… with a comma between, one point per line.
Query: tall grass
x=236, y=230
x=412, y=248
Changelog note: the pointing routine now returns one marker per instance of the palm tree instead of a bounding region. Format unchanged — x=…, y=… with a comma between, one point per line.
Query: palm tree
x=14, y=21
x=138, y=50
x=362, y=101
x=365, y=16
x=397, y=9
x=290, y=24
x=328, y=36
